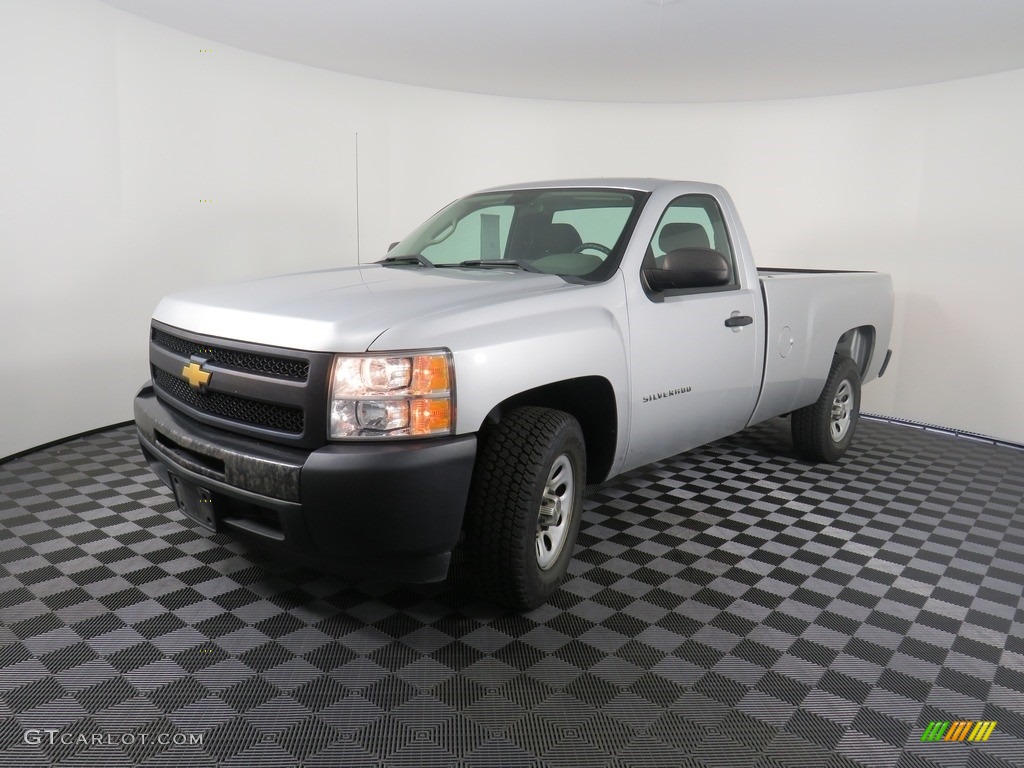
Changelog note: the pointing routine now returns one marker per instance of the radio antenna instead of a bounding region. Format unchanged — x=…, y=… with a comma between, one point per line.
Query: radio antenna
x=358, y=259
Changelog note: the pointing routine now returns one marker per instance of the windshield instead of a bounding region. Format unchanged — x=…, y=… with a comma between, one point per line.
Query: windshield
x=567, y=232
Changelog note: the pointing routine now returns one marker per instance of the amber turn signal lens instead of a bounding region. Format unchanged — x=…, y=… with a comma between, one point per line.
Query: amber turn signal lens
x=430, y=374
x=430, y=416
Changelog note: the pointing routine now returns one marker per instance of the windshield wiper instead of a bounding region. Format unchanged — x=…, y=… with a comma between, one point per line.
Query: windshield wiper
x=497, y=264
x=411, y=258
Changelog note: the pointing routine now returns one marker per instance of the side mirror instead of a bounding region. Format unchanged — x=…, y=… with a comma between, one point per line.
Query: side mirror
x=392, y=246
x=686, y=268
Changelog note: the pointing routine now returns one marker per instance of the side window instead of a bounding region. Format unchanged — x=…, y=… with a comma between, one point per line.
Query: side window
x=692, y=232
x=481, y=235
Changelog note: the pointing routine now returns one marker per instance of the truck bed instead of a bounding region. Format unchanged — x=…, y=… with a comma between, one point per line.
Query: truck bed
x=808, y=311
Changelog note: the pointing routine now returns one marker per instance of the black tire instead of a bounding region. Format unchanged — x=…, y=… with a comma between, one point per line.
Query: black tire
x=824, y=430
x=529, y=450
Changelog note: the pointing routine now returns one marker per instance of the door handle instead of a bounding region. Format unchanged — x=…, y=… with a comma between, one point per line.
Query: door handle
x=737, y=321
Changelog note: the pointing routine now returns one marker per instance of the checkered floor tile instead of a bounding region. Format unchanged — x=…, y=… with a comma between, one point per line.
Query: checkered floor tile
x=732, y=606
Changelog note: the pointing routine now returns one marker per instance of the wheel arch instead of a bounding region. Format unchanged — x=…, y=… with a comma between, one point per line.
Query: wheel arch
x=590, y=400
x=858, y=344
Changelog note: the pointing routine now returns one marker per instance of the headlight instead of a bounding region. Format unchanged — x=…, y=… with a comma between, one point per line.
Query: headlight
x=396, y=395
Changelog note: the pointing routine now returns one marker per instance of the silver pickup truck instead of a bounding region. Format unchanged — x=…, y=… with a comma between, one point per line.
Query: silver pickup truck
x=523, y=342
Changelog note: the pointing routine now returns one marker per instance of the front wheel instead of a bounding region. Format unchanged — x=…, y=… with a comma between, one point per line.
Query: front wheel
x=525, y=506
x=824, y=430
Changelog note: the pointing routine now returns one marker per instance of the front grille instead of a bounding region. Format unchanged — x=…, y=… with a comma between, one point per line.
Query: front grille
x=265, y=392
x=253, y=412
x=266, y=365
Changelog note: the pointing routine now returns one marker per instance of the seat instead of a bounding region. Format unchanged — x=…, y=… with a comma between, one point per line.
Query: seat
x=682, y=235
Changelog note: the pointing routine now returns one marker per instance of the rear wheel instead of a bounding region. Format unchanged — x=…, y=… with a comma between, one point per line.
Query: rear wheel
x=525, y=506
x=824, y=430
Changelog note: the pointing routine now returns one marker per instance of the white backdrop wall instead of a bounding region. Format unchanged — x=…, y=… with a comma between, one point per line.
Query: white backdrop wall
x=136, y=160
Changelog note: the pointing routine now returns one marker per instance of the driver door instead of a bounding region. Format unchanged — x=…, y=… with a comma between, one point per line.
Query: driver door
x=693, y=376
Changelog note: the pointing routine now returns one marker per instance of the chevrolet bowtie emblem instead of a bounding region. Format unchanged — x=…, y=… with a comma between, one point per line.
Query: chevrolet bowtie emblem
x=195, y=375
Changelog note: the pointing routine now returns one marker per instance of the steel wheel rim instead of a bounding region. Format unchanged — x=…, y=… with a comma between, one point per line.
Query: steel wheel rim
x=842, y=412
x=556, y=512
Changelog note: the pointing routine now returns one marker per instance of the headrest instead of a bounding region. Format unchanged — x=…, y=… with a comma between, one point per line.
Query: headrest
x=559, y=238
x=682, y=235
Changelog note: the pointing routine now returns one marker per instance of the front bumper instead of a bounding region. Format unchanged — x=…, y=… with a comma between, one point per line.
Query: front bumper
x=390, y=511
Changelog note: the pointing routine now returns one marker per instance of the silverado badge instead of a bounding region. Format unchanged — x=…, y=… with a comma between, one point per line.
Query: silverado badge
x=669, y=393
x=195, y=375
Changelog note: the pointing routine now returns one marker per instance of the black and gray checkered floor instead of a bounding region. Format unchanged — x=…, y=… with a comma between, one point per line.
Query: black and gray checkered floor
x=731, y=607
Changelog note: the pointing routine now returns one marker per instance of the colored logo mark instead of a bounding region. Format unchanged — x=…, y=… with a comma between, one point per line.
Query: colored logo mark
x=959, y=730
x=195, y=375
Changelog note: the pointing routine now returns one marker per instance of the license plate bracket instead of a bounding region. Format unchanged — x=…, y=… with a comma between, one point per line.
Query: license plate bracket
x=195, y=502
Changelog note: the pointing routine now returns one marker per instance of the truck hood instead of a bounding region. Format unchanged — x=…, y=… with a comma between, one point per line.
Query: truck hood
x=342, y=310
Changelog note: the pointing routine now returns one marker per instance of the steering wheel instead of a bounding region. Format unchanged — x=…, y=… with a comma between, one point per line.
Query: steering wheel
x=593, y=246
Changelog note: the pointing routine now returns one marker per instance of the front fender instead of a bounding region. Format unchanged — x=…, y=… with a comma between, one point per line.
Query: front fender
x=509, y=348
